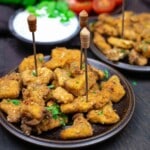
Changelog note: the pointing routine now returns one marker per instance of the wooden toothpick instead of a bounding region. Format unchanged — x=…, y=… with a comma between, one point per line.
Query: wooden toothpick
x=85, y=44
x=83, y=19
x=123, y=9
x=32, y=27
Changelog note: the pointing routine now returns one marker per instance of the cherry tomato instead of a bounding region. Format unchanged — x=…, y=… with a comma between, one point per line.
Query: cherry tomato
x=104, y=6
x=119, y=2
x=79, y=5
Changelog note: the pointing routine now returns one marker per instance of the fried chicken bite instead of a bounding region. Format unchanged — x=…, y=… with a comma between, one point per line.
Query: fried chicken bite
x=76, y=85
x=28, y=63
x=96, y=99
x=144, y=48
x=61, y=57
x=12, y=108
x=81, y=128
x=53, y=118
x=32, y=110
x=120, y=43
x=37, y=92
x=116, y=54
x=101, y=43
x=100, y=98
x=137, y=58
x=114, y=87
x=79, y=104
x=99, y=73
x=61, y=75
x=105, y=115
x=10, y=86
x=62, y=96
x=45, y=75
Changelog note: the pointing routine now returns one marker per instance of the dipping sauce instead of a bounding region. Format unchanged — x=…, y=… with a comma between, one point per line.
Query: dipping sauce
x=48, y=29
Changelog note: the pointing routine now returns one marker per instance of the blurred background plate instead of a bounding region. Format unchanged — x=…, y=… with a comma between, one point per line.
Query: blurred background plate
x=50, y=31
x=120, y=64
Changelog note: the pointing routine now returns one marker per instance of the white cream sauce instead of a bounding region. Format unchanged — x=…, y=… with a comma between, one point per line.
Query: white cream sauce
x=48, y=29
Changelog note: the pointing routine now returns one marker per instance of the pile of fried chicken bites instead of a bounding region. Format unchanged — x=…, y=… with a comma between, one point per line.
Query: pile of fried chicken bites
x=44, y=102
x=134, y=46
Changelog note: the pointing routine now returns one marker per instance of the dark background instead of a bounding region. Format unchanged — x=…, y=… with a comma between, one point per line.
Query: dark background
x=135, y=136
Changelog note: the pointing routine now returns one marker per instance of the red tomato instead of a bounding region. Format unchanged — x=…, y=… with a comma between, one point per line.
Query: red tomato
x=104, y=6
x=79, y=5
x=119, y=2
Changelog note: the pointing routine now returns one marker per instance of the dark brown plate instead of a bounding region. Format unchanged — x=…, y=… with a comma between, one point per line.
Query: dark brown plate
x=124, y=108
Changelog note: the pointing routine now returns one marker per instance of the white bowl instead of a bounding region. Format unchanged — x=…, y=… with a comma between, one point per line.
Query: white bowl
x=49, y=31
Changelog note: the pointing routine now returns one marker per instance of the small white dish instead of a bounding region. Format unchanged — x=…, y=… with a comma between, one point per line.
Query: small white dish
x=49, y=31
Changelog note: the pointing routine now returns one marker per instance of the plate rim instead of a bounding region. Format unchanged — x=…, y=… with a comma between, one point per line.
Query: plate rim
x=81, y=142
x=21, y=38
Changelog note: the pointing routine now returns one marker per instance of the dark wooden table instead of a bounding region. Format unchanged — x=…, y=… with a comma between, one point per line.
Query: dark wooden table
x=135, y=136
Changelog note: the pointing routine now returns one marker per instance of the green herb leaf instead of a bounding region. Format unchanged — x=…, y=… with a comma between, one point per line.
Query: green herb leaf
x=100, y=112
x=57, y=114
x=51, y=86
x=63, y=119
x=15, y=101
x=134, y=83
x=123, y=51
x=34, y=73
x=40, y=59
x=83, y=66
x=106, y=72
x=52, y=9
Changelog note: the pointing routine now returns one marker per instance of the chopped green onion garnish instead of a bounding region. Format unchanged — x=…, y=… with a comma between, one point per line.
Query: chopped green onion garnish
x=15, y=101
x=51, y=86
x=134, y=83
x=100, y=112
x=41, y=59
x=106, y=72
x=56, y=113
x=34, y=73
x=52, y=9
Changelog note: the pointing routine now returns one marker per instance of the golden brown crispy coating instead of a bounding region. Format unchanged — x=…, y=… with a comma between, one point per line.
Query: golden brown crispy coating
x=121, y=43
x=45, y=75
x=100, y=98
x=74, y=68
x=76, y=85
x=80, y=104
x=28, y=63
x=98, y=72
x=144, y=48
x=32, y=110
x=37, y=91
x=61, y=75
x=61, y=57
x=105, y=115
x=62, y=96
x=10, y=86
x=96, y=99
x=116, y=54
x=100, y=42
x=49, y=123
x=12, y=109
x=137, y=58
x=81, y=128
x=114, y=87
